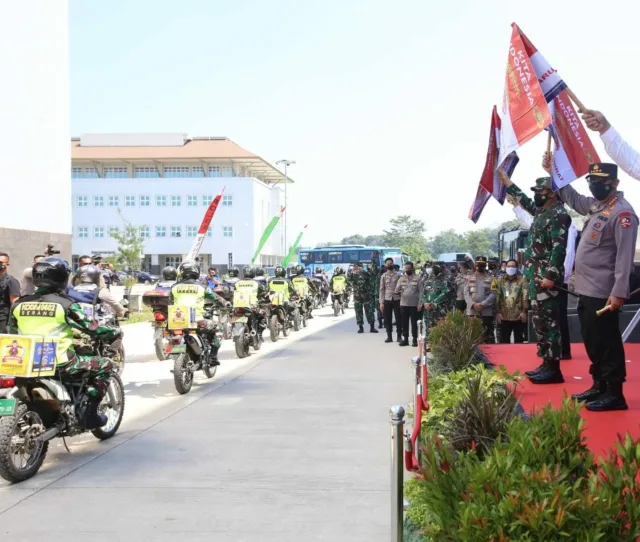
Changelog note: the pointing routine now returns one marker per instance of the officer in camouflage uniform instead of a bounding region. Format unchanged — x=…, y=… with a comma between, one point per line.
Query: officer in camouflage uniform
x=436, y=295
x=363, y=297
x=375, y=274
x=544, y=270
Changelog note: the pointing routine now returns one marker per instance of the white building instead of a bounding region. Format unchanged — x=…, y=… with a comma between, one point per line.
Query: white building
x=165, y=182
x=34, y=134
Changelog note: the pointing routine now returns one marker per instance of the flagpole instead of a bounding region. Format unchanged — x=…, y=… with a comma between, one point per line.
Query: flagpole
x=574, y=98
x=549, y=139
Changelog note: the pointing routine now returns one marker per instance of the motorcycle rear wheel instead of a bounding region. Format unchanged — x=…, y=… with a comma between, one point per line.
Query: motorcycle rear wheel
x=336, y=308
x=242, y=346
x=182, y=376
x=274, y=328
x=158, y=343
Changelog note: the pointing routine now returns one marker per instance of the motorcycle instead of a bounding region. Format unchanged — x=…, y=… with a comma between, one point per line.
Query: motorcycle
x=278, y=320
x=37, y=409
x=224, y=314
x=158, y=300
x=245, y=330
x=191, y=351
x=337, y=300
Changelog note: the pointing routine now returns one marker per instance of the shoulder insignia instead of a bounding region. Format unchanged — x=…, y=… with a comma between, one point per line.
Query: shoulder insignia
x=625, y=221
x=494, y=285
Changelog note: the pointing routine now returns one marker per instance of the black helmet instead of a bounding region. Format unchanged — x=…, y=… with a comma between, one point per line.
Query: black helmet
x=259, y=272
x=248, y=272
x=234, y=272
x=339, y=271
x=88, y=274
x=51, y=273
x=299, y=269
x=189, y=270
x=169, y=273
x=280, y=272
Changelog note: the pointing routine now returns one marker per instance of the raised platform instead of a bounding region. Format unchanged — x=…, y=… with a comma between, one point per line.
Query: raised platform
x=601, y=428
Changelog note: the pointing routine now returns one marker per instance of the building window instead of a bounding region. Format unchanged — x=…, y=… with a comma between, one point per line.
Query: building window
x=98, y=201
x=129, y=201
x=83, y=232
x=206, y=200
x=161, y=231
x=83, y=201
x=192, y=201
x=172, y=261
x=191, y=231
x=145, y=201
x=209, y=231
x=115, y=173
x=161, y=201
x=146, y=173
x=176, y=231
x=176, y=171
x=76, y=173
x=114, y=201
x=145, y=233
x=227, y=171
x=91, y=173
x=176, y=201
x=113, y=230
x=98, y=231
x=197, y=171
x=227, y=201
x=227, y=231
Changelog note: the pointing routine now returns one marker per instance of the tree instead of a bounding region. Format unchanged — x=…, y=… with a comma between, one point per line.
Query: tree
x=374, y=240
x=447, y=241
x=130, y=245
x=356, y=239
x=479, y=243
x=403, y=227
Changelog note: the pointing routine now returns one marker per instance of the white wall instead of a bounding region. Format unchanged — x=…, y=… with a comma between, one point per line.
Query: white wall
x=244, y=215
x=34, y=115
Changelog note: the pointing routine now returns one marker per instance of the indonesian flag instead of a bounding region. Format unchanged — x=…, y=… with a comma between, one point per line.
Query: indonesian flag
x=489, y=180
x=204, y=226
x=573, y=148
x=482, y=197
x=525, y=112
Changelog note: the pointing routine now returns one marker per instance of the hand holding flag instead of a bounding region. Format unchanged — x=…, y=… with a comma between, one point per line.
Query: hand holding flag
x=595, y=121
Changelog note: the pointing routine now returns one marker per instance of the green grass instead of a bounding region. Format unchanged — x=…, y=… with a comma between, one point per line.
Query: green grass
x=136, y=317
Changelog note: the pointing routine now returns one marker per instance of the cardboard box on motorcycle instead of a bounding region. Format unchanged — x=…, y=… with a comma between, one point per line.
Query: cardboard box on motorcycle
x=27, y=356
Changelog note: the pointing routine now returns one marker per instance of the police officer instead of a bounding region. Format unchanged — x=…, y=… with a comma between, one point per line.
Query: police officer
x=604, y=263
x=389, y=300
x=480, y=297
x=464, y=271
x=544, y=261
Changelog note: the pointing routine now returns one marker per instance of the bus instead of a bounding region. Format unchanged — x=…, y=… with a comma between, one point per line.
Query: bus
x=345, y=256
x=512, y=244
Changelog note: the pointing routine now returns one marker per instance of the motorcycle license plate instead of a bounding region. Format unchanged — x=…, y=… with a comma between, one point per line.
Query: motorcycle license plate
x=178, y=348
x=7, y=407
x=239, y=319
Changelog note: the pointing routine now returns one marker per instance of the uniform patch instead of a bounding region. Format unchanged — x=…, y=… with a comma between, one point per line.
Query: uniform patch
x=603, y=218
x=597, y=226
x=625, y=222
x=606, y=213
x=594, y=235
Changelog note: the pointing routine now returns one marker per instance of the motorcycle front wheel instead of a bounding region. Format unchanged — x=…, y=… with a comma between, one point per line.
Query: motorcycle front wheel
x=182, y=375
x=112, y=406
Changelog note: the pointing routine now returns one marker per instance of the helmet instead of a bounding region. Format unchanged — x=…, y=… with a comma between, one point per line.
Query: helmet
x=259, y=272
x=169, y=273
x=189, y=270
x=299, y=269
x=339, y=271
x=234, y=272
x=281, y=272
x=51, y=273
x=248, y=272
x=88, y=274
x=318, y=271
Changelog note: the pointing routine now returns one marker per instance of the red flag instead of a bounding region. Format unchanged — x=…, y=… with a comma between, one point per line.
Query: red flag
x=482, y=197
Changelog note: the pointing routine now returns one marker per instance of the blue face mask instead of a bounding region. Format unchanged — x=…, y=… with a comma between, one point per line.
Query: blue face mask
x=511, y=271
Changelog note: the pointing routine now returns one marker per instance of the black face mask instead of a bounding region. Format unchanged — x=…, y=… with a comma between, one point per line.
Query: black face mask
x=540, y=199
x=600, y=191
x=409, y=271
x=481, y=268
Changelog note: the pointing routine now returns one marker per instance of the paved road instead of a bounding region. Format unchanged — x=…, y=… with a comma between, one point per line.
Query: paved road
x=291, y=444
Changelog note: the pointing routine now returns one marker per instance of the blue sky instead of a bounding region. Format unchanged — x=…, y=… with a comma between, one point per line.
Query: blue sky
x=385, y=106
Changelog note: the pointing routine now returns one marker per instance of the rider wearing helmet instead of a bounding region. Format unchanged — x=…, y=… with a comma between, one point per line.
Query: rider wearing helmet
x=189, y=292
x=169, y=277
x=87, y=289
x=50, y=313
x=339, y=281
x=323, y=283
x=260, y=276
x=233, y=277
x=255, y=291
x=281, y=284
x=304, y=287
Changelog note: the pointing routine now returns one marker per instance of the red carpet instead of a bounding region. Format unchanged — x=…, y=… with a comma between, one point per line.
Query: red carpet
x=601, y=428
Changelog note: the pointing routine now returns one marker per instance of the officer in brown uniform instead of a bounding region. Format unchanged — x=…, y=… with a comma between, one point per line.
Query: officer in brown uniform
x=389, y=300
x=604, y=263
x=480, y=297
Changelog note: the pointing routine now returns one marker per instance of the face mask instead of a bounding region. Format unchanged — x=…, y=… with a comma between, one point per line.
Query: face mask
x=540, y=199
x=429, y=270
x=389, y=267
x=409, y=271
x=600, y=191
x=481, y=268
x=511, y=271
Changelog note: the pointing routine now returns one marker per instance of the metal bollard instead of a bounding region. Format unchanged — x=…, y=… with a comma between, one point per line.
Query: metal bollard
x=396, y=414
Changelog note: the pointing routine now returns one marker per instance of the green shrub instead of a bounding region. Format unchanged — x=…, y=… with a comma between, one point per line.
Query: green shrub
x=453, y=342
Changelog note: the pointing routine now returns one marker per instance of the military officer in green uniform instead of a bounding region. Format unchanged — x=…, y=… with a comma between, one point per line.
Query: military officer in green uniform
x=362, y=298
x=544, y=271
x=436, y=293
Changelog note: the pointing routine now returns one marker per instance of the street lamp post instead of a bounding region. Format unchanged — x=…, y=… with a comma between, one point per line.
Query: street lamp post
x=286, y=164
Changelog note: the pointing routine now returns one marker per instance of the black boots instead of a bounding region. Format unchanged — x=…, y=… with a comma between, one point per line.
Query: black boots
x=389, y=339
x=373, y=329
x=595, y=391
x=535, y=371
x=399, y=339
x=360, y=329
x=213, y=358
x=90, y=418
x=404, y=342
x=549, y=374
x=611, y=399
x=415, y=342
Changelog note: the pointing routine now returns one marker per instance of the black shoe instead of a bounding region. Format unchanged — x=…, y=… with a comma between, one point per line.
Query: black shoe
x=548, y=375
x=310, y=317
x=389, y=339
x=593, y=393
x=399, y=339
x=91, y=418
x=373, y=329
x=360, y=329
x=404, y=343
x=612, y=399
x=213, y=362
x=379, y=325
x=535, y=371
x=415, y=342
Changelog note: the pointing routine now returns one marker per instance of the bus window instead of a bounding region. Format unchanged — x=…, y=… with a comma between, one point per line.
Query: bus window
x=365, y=255
x=306, y=257
x=350, y=256
x=319, y=257
x=335, y=257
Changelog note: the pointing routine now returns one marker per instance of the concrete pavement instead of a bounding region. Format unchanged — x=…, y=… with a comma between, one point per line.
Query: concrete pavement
x=291, y=444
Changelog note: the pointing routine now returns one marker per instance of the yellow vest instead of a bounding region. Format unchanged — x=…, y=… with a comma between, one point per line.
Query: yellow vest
x=339, y=283
x=281, y=288
x=245, y=293
x=189, y=295
x=301, y=285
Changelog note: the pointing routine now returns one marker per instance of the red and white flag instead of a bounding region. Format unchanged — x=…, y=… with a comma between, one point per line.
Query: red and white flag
x=489, y=180
x=204, y=226
x=525, y=112
x=573, y=148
